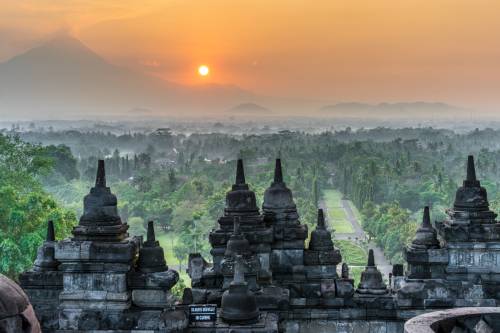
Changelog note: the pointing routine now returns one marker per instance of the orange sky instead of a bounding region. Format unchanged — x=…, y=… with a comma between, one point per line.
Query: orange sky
x=364, y=50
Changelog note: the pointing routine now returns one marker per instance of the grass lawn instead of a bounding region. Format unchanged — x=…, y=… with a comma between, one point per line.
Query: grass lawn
x=352, y=253
x=355, y=273
x=167, y=241
x=355, y=256
x=184, y=277
x=335, y=212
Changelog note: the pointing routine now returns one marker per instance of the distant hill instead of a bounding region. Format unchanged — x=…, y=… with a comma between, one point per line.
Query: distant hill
x=249, y=108
x=63, y=77
x=409, y=109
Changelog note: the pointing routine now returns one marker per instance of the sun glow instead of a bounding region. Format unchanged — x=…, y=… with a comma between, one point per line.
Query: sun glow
x=203, y=70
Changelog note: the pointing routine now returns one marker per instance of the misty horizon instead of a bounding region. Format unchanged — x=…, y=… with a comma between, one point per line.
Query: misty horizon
x=73, y=70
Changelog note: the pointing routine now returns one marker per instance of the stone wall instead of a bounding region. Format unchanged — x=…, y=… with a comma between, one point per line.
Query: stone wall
x=101, y=279
x=343, y=326
x=473, y=320
x=346, y=320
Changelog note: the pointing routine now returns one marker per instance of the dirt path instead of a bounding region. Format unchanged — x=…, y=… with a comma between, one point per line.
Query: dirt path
x=359, y=235
x=358, y=230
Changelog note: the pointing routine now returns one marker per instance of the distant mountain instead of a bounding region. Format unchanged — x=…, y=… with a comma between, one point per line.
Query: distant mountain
x=249, y=108
x=64, y=78
x=409, y=109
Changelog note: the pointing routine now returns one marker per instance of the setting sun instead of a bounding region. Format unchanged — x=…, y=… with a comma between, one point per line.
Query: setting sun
x=203, y=70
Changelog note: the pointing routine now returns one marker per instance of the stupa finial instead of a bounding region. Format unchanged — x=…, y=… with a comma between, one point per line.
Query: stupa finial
x=151, y=232
x=51, y=235
x=345, y=271
x=151, y=256
x=321, y=219
x=426, y=219
x=240, y=173
x=471, y=170
x=371, y=281
x=278, y=173
x=471, y=196
x=100, y=179
x=371, y=259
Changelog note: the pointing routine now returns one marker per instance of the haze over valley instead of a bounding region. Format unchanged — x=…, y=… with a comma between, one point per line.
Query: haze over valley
x=65, y=79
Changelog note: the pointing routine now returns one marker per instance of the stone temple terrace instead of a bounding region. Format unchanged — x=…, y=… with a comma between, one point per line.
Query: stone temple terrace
x=267, y=273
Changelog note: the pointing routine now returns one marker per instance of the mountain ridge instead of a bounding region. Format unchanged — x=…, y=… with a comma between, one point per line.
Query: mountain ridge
x=63, y=76
x=65, y=79
x=395, y=109
x=249, y=108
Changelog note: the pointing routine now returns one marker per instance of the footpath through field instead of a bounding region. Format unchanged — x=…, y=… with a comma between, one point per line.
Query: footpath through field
x=341, y=216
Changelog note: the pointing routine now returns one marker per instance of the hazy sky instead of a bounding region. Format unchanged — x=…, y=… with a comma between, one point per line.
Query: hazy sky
x=402, y=50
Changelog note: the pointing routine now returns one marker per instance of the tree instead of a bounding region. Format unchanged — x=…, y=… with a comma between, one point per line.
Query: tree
x=315, y=191
x=63, y=161
x=25, y=207
x=171, y=178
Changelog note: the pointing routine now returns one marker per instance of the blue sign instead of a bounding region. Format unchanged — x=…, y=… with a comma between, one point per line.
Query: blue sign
x=202, y=312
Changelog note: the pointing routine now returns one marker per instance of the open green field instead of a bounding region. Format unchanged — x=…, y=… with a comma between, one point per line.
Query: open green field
x=352, y=253
x=168, y=241
x=355, y=274
x=335, y=212
x=355, y=255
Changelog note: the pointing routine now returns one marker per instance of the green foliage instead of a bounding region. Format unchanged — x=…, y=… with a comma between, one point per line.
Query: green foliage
x=64, y=164
x=180, y=181
x=391, y=226
x=178, y=289
x=25, y=207
x=21, y=162
x=353, y=254
x=335, y=212
x=355, y=274
x=137, y=226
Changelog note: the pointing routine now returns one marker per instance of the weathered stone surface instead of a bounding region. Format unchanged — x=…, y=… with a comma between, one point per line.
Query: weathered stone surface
x=100, y=220
x=152, y=298
x=278, y=197
x=266, y=323
x=272, y=298
x=284, y=260
x=151, y=256
x=343, y=326
x=16, y=312
x=456, y=320
x=332, y=257
x=45, y=259
x=98, y=285
x=196, y=266
x=157, y=280
x=238, y=245
x=321, y=238
x=371, y=282
x=344, y=288
x=321, y=272
x=238, y=304
x=252, y=239
x=96, y=252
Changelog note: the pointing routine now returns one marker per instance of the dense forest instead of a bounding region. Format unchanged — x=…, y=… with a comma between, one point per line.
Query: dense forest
x=180, y=180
